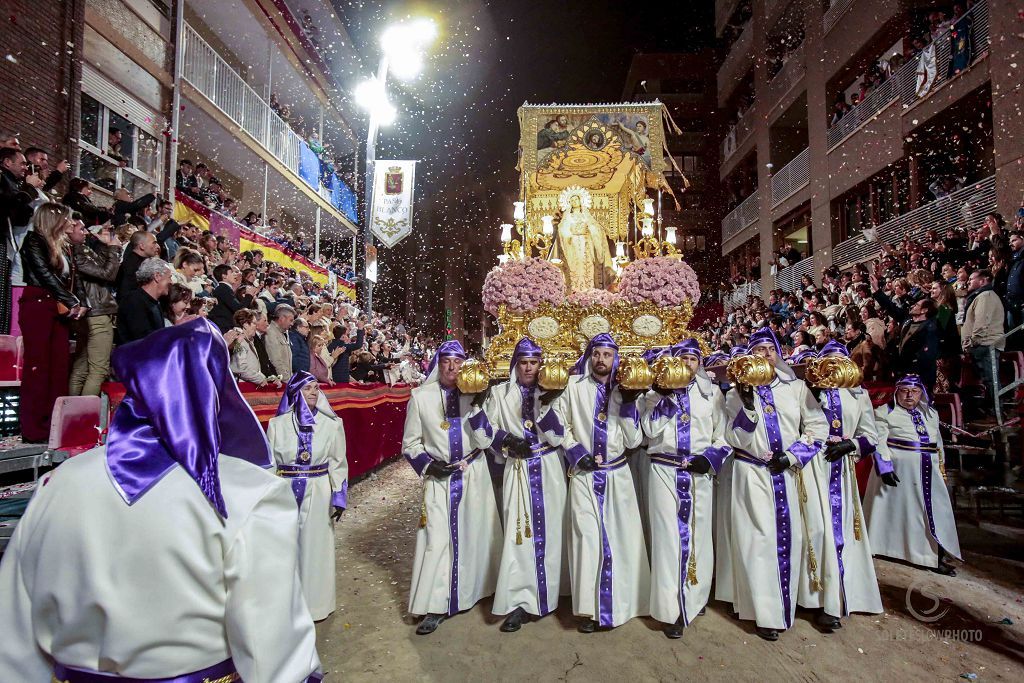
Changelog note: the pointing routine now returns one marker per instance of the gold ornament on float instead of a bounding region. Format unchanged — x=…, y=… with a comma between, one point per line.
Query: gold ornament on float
x=474, y=377
x=671, y=373
x=554, y=373
x=634, y=373
x=753, y=371
x=833, y=372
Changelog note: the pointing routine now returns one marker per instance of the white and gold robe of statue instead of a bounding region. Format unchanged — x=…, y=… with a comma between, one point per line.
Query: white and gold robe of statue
x=912, y=520
x=608, y=564
x=765, y=522
x=680, y=426
x=845, y=568
x=159, y=588
x=319, y=495
x=459, y=546
x=533, y=566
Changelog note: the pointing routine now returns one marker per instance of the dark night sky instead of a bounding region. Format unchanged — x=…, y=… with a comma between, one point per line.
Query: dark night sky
x=459, y=118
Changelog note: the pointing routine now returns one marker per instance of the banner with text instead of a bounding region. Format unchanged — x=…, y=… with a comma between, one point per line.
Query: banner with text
x=391, y=216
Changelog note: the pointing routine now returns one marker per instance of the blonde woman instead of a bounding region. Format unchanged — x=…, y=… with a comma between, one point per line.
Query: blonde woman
x=53, y=297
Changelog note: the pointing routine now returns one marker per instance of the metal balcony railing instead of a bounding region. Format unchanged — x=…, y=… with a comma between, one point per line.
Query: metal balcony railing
x=791, y=72
x=793, y=176
x=877, y=100
x=738, y=134
x=738, y=297
x=963, y=208
x=788, y=279
x=208, y=73
x=834, y=13
x=741, y=217
x=913, y=85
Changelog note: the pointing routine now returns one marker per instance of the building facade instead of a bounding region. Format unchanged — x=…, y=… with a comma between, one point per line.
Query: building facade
x=851, y=122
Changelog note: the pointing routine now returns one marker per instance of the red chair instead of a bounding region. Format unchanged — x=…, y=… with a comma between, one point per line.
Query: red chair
x=74, y=427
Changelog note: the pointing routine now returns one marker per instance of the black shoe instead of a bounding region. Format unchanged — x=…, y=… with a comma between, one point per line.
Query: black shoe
x=769, y=634
x=429, y=624
x=587, y=626
x=514, y=621
x=702, y=612
x=945, y=569
x=827, y=623
x=674, y=631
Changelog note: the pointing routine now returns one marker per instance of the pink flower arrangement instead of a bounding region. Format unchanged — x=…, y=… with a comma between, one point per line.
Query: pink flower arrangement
x=523, y=286
x=661, y=280
x=592, y=297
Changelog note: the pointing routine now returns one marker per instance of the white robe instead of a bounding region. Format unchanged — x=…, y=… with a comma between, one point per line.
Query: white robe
x=473, y=560
x=855, y=588
x=897, y=516
x=758, y=501
x=607, y=536
x=535, y=488
x=160, y=588
x=671, y=592
x=316, y=530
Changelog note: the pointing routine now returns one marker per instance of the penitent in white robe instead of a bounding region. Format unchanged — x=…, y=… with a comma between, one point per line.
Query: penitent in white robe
x=765, y=524
x=912, y=520
x=608, y=564
x=533, y=566
x=845, y=567
x=316, y=496
x=688, y=423
x=159, y=588
x=459, y=546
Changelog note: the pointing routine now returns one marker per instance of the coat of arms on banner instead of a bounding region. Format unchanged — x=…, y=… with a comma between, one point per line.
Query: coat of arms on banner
x=391, y=215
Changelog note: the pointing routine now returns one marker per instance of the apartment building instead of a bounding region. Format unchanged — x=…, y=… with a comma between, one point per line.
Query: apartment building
x=252, y=88
x=686, y=84
x=851, y=122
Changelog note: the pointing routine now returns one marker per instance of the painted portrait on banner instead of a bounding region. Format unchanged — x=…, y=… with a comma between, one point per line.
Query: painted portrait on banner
x=632, y=129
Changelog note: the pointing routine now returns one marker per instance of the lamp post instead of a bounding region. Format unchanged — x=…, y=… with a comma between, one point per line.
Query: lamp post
x=401, y=52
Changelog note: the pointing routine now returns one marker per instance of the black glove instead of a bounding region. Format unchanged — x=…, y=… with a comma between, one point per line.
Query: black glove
x=548, y=396
x=630, y=395
x=517, y=448
x=480, y=398
x=439, y=470
x=663, y=391
x=746, y=395
x=699, y=465
x=336, y=513
x=835, y=450
x=777, y=465
x=890, y=479
x=816, y=391
x=587, y=463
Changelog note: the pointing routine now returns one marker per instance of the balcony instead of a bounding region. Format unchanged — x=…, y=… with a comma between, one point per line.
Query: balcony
x=788, y=77
x=963, y=208
x=211, y=76
x=736, y=64
x=738, y=297
x=911, y=83
x=740, y=218
x=788, y=279
x=723, y=10
x=879, y=98
x=793, y=177
x=834, y=13
x=738, y=134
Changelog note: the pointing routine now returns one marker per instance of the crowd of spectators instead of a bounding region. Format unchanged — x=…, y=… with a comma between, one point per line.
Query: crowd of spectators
x=113, y=275
x=927, y=307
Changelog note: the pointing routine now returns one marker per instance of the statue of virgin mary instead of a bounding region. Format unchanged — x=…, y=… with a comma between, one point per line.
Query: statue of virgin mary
x=582, y=244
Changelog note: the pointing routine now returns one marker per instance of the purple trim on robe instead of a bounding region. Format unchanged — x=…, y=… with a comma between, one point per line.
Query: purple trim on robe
x=804, y=452
x=833, y=408
x=683, y=426
x=926, y=471
x=339, y=499
x=605, y=610
x=499, y=437
x=418, y=462
x=685, y=496
x=304, y=445
x=480, y=423
x=574, y=454
x=882, y=466
x=528, y=409
x=628, y=411
x=864, y=446
x=551, y=423
x=666, y=408
x=535, y=472
x=742, y=421
x=600, y=437
x=223, y=670
x=454, y=501
x=783, y=520
x=314, y=678
x=716, y=456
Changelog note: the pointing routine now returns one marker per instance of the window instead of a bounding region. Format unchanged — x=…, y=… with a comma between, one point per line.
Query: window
x=114, y=152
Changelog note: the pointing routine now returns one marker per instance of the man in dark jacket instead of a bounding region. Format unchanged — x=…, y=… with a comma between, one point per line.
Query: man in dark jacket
x=917, y=344
x=342, y=348
x=138, y=313
x=125, y=206
x=259, y=342
x=78, y=198
x=39, y=163
x=15, y=211
x=223, y=314
x=1015, y=291
x=141, y=246
x=98, y=261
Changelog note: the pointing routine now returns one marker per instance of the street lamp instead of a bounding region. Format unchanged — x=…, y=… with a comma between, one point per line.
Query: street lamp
x=402, y=47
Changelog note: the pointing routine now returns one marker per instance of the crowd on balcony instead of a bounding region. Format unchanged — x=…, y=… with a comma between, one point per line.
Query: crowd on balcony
x=930, y=307
x=113, y=275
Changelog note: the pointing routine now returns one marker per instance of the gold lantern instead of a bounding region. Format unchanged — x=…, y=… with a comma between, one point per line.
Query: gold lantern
x=671, y=373
x=473, y=378
x=554, y=373
x=634, y=374
x=753, y=371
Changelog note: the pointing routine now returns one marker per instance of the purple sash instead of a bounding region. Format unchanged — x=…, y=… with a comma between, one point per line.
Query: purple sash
x=225, y=671
x=451, y=413
x=783, y=532
x=605, y=605
x=924, y=445
x=303, y=454
x=684, y=483
x=600, y=440
x=833, y=408
x=535, y=476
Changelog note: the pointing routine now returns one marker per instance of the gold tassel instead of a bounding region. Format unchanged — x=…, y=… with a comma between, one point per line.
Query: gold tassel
x=691, y=571
x=517, y=471
x=423, y=514
x=812, y=561
x=855, y=494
